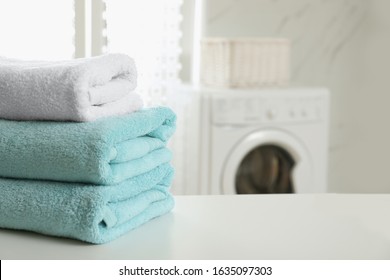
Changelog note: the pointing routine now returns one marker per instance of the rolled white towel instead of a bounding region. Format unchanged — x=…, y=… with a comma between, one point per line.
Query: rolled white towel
x=75, y=90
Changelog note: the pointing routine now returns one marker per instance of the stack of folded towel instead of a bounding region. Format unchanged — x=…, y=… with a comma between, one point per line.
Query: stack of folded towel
x=79, y=157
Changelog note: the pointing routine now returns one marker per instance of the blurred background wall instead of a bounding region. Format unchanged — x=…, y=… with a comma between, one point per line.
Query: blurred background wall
x=341, y=45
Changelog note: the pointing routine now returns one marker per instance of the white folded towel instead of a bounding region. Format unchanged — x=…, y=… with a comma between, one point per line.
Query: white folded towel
x=75, y=90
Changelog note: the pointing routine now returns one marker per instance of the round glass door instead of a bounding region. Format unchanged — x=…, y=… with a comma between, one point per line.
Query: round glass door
x=268, y=161
x=265, y=169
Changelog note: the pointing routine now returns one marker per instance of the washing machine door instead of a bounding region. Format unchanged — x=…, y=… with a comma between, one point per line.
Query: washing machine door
x=268, y=161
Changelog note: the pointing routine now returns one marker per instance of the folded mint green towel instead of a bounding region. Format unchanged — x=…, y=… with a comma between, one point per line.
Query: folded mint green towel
x=95, y=214
x=106, y=151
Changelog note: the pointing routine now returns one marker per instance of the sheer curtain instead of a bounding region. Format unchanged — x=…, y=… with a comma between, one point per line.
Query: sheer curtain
x=39, y=29
x=149, y=31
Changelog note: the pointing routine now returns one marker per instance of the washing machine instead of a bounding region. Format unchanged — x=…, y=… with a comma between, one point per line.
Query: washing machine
x=258, y=141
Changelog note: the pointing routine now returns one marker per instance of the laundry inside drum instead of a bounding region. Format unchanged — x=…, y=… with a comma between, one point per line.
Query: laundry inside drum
x=264, y=170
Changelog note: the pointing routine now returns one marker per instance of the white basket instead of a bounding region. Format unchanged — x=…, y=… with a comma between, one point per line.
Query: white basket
x=245, y=62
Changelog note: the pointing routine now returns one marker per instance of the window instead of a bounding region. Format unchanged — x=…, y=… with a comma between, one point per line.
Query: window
x=149, y=31
x=39, y=29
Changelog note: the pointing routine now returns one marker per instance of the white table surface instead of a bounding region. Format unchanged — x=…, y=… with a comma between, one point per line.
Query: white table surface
x=328, y=226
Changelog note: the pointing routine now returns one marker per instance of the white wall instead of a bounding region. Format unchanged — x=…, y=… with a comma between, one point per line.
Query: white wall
x=331, y=40
x=369, y=151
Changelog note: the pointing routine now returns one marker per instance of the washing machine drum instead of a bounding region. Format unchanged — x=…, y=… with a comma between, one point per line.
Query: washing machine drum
x=265, y=169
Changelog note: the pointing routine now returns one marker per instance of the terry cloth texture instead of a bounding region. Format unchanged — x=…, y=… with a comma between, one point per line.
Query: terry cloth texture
x=76, y=90
x=95, y=214
x=103, y=152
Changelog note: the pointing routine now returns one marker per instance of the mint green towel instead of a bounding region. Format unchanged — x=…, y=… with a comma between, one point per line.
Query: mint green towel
x=107, y=151
x=95, y=214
